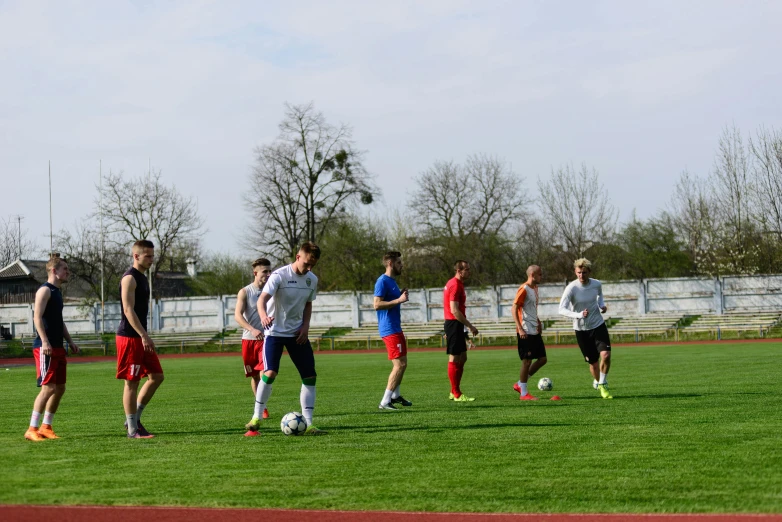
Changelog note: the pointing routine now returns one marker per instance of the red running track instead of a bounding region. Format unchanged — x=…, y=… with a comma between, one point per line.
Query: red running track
x=171, y=514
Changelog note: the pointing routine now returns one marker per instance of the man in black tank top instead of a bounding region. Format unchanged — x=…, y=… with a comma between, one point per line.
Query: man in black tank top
x=136, y=357
x=49, y=350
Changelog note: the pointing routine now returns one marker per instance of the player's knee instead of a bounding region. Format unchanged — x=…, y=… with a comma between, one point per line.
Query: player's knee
x=542, y=361
x=606, y=356
x=157, y=377
x=59, y=389
x=401, y=363
x=270, y=373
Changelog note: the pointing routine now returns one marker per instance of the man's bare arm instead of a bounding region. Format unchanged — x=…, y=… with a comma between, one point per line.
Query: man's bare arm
x=128, y=286
x=461, y=317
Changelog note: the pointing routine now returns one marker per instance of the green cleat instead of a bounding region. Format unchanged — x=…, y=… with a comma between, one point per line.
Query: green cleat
x=313, y=431
x=463, y=398
x=604, y=391
x=451, y=397
x=253, y=425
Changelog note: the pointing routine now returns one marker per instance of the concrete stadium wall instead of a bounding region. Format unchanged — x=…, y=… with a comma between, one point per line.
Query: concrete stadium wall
x=354, y=309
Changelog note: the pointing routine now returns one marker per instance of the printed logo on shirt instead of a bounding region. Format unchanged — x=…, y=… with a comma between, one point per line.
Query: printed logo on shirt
x=309, y=282
x=292, y=282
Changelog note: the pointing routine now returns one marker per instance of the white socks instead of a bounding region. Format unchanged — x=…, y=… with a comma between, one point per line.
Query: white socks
x=139, y=408
x=307, y=399
x=132, y=424
x=48, y=417
x=35, y=420
x=262, y=395
x=602, y=378
x=523, y=386
x=395, y=394
x=387, y=396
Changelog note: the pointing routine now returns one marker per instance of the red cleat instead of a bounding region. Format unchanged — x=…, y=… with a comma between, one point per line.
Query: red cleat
x=556, y=398
x=527, y=397
x=265, y=414
x=517, y=388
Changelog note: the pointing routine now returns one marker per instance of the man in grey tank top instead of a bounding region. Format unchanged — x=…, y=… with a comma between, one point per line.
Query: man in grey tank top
x=246, y=315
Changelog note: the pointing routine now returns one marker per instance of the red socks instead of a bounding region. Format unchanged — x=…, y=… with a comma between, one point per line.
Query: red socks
x=455, y=371
x=454, y=377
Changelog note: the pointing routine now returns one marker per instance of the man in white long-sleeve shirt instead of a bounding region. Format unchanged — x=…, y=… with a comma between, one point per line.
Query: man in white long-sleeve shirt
x=583, y=302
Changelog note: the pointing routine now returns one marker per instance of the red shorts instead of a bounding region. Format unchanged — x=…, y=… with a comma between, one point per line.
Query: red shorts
x=50, y=369
x=396, y=345
x=133, y=361
x=252, y=357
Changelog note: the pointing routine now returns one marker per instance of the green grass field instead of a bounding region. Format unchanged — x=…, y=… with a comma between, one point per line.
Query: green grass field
x=692, y=428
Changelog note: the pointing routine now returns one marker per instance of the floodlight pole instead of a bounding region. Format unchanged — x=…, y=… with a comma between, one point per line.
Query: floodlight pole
x=102, y=296
x=51, y=228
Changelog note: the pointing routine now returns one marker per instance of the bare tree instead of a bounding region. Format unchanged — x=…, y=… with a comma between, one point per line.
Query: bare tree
x=766, y=150
x=690, y=214
x=145, y=208
x=731, y=186
x=81, y=246
x=304, y=181
x=476, y=199
x=14, y=243
x=578, y=208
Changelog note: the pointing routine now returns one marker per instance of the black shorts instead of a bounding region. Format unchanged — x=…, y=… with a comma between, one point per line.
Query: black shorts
x=592, y=342
x=301, y=355
x=456, y=337
x=531, y=347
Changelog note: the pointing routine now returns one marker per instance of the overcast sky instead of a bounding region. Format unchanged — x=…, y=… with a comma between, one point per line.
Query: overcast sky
x=639, y=92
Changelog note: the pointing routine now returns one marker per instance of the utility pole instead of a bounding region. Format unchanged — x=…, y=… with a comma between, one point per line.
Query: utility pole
x=19, y=219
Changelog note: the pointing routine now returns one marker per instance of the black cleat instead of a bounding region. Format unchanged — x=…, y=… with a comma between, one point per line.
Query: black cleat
x=401, y=400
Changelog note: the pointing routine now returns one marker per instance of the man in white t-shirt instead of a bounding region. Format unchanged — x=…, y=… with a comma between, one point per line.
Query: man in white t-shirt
x=528, y=331
x=286, y=323
x=583, y=302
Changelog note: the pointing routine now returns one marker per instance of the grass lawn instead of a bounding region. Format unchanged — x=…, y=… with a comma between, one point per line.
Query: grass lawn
x=693, y=428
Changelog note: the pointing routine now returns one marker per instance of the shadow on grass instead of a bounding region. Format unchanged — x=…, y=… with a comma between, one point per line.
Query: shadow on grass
x=646, y=396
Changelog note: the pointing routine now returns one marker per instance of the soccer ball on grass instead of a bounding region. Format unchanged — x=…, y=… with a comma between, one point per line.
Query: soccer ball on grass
x=545, y=384
x=293, y=424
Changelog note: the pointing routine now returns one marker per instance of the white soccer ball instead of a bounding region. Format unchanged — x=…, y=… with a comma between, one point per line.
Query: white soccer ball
x=293, y=424
x=545, y=384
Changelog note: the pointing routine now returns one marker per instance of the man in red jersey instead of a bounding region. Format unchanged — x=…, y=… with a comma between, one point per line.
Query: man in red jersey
x=454, y=309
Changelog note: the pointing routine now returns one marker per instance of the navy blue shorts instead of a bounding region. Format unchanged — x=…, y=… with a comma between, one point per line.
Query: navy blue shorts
x=300, y=354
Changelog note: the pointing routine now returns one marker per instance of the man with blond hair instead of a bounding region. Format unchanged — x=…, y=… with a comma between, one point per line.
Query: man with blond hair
x=49, y=350
x=136, y=356
x=583, y=302
x=528, y=331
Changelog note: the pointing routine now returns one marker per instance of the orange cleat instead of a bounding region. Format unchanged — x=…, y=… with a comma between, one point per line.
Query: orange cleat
x=265, y=413
x=527, y=397
x=252, y=433
x=47, y=432
x=517, y=388
x=32, y=434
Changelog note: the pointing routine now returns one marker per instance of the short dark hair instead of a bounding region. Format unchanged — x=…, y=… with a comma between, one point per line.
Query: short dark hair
x=392, y=256
x=460, y=265
x=261, y=261
x=308, y=247
x=143, y=243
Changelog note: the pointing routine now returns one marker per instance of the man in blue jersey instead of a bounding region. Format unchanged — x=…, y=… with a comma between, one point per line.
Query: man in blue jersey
x=49, y=350
x=388, y=301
